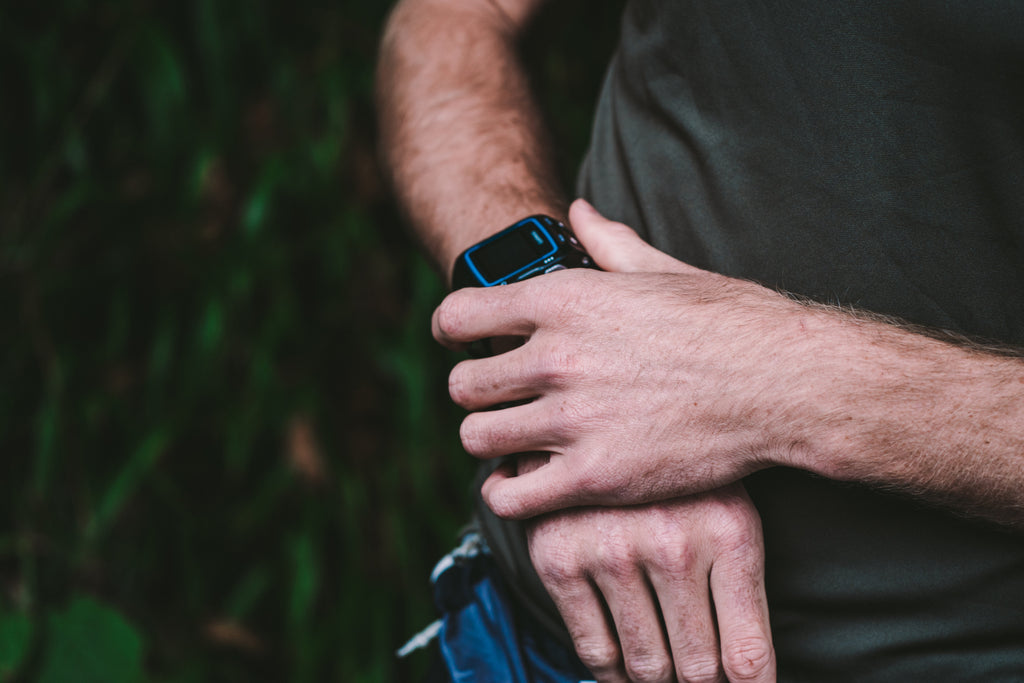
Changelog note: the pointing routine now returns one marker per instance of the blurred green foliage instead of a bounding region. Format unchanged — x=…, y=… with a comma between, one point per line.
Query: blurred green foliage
x=228, y=449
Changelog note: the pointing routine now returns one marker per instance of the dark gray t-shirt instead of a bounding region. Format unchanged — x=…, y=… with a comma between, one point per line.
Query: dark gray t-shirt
x=867, y=153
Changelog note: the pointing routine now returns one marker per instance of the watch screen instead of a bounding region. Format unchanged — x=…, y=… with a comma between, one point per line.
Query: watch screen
x=511, y=251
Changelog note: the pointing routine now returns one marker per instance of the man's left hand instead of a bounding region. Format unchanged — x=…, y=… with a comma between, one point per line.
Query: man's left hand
x=669, y=591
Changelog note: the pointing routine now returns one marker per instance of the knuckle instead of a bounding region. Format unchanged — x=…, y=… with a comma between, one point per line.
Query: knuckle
x=568, y=420
x=592, y=477
x=674, y=555
x=473, y=439
x=736, y=506
x=458, y=388
x=749, y=659
x=558, y=570
x=563, y=295
x=703, y=668
x=649, y=668
x=737, y=537
x=598, y=654
x=559, y=365
x=450, y=315
x=501, y=504
x=736, y=527
x=617, y=556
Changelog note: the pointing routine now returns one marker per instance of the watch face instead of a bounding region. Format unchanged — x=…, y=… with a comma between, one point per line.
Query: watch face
x=531, y=247
x=510, y=251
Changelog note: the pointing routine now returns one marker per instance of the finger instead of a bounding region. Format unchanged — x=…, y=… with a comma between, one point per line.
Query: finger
x=737, y=584
x=637, y=622
x=513, y=429
x=683, y=593
x=529, y=462
x=615, y=246
x=554, y=486
x=585, y=618
x=472, y=314
x=485, y=382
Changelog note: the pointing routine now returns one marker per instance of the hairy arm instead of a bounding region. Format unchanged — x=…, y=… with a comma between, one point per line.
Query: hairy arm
x=461, y=133
x=941, y=419
x=705, y=379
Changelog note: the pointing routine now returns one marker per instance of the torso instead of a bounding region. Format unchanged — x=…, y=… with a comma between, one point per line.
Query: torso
x=863, y=153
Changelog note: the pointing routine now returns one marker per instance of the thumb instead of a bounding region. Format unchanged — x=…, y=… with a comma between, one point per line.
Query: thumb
x=616, y=246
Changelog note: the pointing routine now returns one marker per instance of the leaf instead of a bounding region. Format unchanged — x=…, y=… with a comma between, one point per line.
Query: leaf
x=127, y=482
x=211, y=327
x=91, y=643
x=305, y=578
x=163, y=82
x=259, y=205
x=48, y=422
x=248, y=592
x=15, y=639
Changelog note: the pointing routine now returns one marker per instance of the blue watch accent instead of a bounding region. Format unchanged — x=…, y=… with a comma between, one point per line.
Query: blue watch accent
x=538, y=236
x=533, y=246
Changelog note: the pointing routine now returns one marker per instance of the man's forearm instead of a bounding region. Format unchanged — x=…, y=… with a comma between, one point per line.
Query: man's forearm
x=462, y=136
x=939, y=420
x=704, y=379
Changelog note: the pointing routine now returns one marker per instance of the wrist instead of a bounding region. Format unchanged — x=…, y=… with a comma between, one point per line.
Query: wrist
x=455, y=242
x=848, y=394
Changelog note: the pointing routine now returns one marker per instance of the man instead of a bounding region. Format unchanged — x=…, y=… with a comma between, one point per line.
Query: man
x=866, y=155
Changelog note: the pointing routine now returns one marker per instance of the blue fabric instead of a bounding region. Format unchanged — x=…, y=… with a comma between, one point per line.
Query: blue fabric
x=483, y=639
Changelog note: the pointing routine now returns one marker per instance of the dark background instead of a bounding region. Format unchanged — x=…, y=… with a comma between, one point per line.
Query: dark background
x=228, y=452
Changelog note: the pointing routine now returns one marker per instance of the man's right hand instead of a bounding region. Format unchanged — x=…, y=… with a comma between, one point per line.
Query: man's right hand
x=661, y=592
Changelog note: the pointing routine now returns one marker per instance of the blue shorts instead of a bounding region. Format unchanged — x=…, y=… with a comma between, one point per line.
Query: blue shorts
x=481, y=635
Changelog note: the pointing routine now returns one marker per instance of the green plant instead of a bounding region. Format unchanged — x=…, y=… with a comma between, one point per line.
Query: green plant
x=228, y=450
